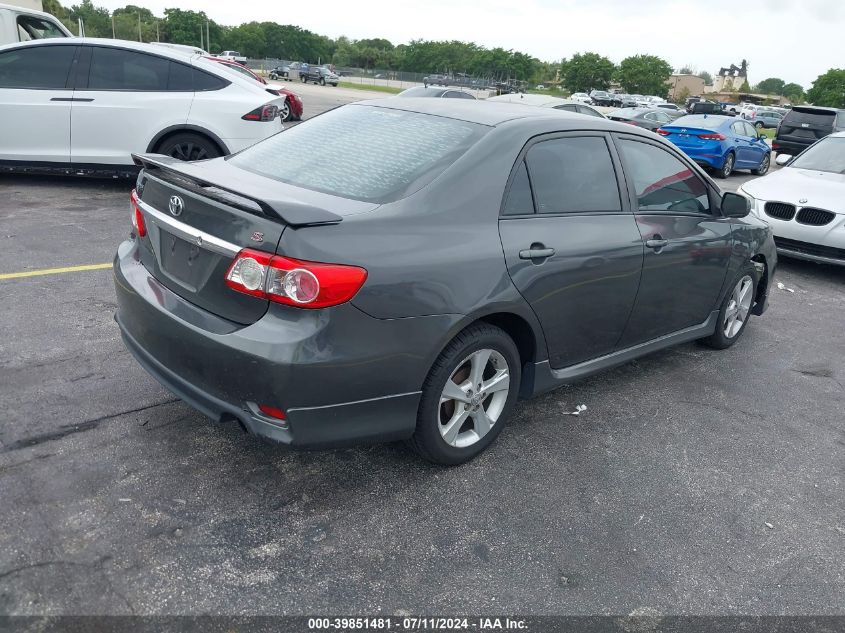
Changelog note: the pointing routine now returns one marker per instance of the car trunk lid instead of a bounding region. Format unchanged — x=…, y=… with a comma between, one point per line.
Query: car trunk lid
x=690, y=137
x=197, y=223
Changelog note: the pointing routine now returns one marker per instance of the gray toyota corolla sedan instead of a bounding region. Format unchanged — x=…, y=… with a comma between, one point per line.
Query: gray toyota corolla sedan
x=409, y=268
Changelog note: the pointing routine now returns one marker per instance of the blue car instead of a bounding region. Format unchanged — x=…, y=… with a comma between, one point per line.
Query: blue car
x=721, y=142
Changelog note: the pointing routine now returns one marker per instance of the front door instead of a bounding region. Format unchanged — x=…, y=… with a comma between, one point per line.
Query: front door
x=36, y=94
x=571, y=244
x=687, y=242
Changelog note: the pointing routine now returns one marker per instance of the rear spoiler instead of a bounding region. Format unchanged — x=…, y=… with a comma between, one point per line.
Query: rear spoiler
x=253, y=187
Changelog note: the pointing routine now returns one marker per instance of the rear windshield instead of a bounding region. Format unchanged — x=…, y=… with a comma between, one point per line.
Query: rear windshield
x=826, y=155
x=362, y=152
x=799, y=116
x=699, y=121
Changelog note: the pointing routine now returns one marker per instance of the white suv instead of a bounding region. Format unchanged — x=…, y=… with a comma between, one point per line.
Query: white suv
x=81, y=104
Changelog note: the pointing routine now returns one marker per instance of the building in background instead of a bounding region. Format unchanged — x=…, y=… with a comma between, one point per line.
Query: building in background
x=683, y=86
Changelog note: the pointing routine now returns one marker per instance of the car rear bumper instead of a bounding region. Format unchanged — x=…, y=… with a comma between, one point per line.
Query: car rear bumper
x=341, y=376
x=791, y=148
x=705, y=157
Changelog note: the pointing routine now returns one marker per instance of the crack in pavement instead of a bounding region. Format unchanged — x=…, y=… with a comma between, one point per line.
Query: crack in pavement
x=70, y=429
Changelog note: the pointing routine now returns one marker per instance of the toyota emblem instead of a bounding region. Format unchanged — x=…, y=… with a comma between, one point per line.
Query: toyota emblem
x=176, y=206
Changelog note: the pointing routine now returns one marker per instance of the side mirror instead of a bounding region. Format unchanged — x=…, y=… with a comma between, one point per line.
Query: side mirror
x=735, y=205
x=783, y=159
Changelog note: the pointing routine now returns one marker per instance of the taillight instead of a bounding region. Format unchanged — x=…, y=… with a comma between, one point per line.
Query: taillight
x=712, y=137
x=137, y=217
x=662, y=132
x=294, y=282
x=264, y=113
x=273, y=412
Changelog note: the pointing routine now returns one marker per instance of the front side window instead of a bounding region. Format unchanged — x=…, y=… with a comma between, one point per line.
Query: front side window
x=663, y=184
x=36, y=67
x=119, y=69
x=34, y=28
x=573, y=175
x=363, y=152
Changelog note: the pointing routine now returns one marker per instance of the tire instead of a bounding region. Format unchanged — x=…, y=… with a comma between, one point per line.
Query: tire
x=303, y=79
x=728, y=167
x=285, y=111
x=726, y=336
x=764, y=165
x=322, y=81
x=189, y=146
x=273, y=76
x=447, y=435
x=759, y=125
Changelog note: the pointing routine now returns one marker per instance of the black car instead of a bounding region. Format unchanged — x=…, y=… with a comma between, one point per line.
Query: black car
x=647, y=118
x=624, y=101
x=804, y=125
x=417, y=279
x=321, y=75
x=601, y=98
x=280, y=72
x=436, y=80
x=437, y=93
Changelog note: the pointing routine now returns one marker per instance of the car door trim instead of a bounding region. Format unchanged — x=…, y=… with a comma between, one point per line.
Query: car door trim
x=187, y=232
x=546, y=378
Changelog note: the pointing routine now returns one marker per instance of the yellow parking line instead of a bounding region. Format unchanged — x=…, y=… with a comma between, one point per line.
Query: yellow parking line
x=54, y=271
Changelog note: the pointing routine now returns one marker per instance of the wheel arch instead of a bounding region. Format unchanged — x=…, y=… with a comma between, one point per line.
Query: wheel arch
x=761, y=292
x=176, y=129
x=523, y=329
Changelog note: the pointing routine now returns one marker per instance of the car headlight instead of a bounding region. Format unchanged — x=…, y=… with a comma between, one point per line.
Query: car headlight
x=756, y=203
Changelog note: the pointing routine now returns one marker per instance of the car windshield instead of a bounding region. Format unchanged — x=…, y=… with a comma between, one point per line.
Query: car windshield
x=826, y=155
x=363, y=152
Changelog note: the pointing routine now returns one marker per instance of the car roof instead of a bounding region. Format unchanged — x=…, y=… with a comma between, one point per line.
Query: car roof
x=161, y=51
x=494, y=114
x=531, y=99
x=27, y=10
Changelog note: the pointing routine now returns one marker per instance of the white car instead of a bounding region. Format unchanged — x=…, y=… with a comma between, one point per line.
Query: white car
x=542, y=101
x=581, y=97
x=79, y=105
x=804, y=202
x=19, y=24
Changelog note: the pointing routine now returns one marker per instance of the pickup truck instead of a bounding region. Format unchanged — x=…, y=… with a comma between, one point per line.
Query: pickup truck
x=321, y=75
x=18, y=24
x=232, y=56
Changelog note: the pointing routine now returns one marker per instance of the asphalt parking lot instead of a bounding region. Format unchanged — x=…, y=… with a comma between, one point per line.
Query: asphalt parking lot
x=696, y=482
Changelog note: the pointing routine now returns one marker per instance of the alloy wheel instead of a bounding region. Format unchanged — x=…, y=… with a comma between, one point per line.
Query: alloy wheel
x=473, y=398
x=728, y=168
x=284, y=111
x=188, y=151
x=738, y=308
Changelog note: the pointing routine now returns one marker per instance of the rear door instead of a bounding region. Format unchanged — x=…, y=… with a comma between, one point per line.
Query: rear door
x=36, y=95
x=746, y=155
x=806, y=125
x=571, y=244
x=687, y=242
x=122, y=100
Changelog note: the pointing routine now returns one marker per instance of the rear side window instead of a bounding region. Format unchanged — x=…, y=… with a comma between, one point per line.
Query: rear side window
x=34, y=28
x=519, y=200
x=36, y=67
x=118, y=69
x=568, y=107
x=589, y=111
x=204, y=81
x=663, y=183
x=363, y=152
x=180, y=78
x=573, y=175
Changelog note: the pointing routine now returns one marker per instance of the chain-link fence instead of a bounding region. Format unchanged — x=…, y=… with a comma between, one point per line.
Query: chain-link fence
x=400, y=79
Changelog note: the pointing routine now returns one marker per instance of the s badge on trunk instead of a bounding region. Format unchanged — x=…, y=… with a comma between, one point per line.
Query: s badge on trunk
x=258, y=236
x=176, y=206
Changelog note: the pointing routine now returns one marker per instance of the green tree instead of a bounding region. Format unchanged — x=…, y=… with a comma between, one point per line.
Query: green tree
x=126, y=23
x=96, y=20
x=184, y=27
x=745, y=87
x=645, y=74
x=707, y=77
x=770, y=86
x=687, y=69
x=828, y=89
x=588, y=71
x=793, y=92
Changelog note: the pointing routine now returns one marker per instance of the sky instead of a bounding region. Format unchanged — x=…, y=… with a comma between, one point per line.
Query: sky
x=704, y=34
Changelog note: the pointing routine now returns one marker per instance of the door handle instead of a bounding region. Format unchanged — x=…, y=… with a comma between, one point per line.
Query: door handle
x=657, y=243
x=536, y=252
x=72, y=99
